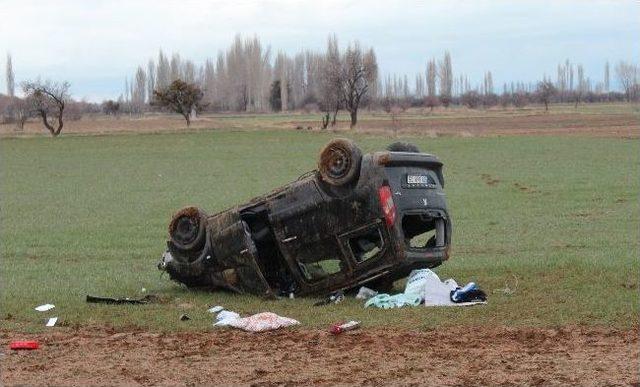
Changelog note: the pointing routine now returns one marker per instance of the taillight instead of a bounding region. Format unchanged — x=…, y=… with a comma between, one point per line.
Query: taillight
x=387, y=205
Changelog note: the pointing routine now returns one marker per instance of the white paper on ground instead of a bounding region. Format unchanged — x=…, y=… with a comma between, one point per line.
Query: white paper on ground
x=215, y=309
x=52, y=321
x=45, y=307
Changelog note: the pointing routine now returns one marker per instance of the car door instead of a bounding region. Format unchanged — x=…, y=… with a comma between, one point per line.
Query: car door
x=307, y=234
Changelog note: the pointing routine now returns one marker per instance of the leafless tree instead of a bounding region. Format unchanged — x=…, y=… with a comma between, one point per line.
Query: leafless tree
x=163, y=70
x=607, y=77
x=330, y=85
x=581, y=87
x=545, y=91
x=138, y=93
x=471, y=99
x=10, y=78
x=151, y=79
x=111, y=108
x=627, y=74
x=445, y=74
x=359, y=72
x=48, y=100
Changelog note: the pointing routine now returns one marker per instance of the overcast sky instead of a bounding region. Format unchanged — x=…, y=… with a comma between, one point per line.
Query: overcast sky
x=96, y=44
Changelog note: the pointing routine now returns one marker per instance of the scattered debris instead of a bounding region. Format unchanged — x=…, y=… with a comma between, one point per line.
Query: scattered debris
x=333, y=298
x=45, y=307
x=336, y=329
x=468, y=293
x=365, y=293
x=26, y=345
x=507, y=290
x=260, y=322
x=52, y=321
x=225, y=317
x=109, y=300
x=215, y=309
x=424, y=286
x=184, y=317
x=412, y=296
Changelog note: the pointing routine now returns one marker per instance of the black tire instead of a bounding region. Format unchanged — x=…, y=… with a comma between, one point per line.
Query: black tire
x=339, y=162
x=401, y=146
x=187, y=229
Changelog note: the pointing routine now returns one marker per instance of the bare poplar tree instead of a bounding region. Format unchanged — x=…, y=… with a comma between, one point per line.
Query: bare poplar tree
x=151, y=80
x=10, y=78
x=175, y=67
x=331, y=80
x=445, y=74
x=581, y=87
x=606, y=77
x=139, y=91
x=431, y=100
x=163, y=77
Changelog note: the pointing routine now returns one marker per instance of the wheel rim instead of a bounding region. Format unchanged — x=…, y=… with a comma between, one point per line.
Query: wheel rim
x=186, y=230
x=338, y=163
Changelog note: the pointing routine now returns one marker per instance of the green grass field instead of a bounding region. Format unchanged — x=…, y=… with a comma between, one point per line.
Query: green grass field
x=88, y=215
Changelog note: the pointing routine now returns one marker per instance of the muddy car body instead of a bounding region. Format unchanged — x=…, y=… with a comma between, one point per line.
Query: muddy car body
x=356, y=220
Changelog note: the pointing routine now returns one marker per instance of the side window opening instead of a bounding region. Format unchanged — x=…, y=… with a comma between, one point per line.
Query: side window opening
x=320, y=269
x=366, y=244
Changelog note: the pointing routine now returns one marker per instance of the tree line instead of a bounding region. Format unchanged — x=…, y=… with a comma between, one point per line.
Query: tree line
x=247, y=77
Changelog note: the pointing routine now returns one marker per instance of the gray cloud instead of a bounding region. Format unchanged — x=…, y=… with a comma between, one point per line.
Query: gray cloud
x=96, y=44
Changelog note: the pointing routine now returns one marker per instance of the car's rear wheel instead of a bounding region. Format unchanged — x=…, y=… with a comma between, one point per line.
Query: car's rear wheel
x=402, y=146
x=187, y=229
x=339, y=162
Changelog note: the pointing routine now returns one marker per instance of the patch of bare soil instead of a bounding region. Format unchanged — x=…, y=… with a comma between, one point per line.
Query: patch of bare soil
x=599, y=125
x=445, y=356
x=459, y=123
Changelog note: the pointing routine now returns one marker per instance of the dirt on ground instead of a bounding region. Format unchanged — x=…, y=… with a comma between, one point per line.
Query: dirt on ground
x=455, y=123
x=443, y=356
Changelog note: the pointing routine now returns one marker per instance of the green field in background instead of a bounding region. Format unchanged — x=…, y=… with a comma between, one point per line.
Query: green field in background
x=88, y=215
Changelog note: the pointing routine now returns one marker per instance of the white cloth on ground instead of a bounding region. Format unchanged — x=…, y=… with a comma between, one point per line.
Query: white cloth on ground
x=260, y=322
x=438, y=293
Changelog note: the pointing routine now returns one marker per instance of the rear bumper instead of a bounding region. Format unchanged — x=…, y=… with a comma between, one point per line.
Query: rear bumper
x=428, y=257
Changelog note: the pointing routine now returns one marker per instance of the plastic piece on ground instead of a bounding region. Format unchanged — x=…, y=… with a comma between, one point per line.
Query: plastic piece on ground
x=263, y=322
x=184, y=317
x=215, y=309
x=110, y=300
x=336, y=329
x=365, y=293
x=52, y=322
x=27, y=344
x=225, y=317
x=45, y=307
x=333, y=298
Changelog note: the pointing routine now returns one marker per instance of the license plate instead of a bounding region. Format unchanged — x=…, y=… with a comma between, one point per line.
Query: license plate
x=418, y=179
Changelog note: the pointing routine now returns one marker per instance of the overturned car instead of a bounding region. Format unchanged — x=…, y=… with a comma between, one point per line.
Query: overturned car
x=358, y=219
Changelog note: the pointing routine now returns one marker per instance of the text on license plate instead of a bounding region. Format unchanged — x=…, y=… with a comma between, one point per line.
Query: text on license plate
x=418, y=179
